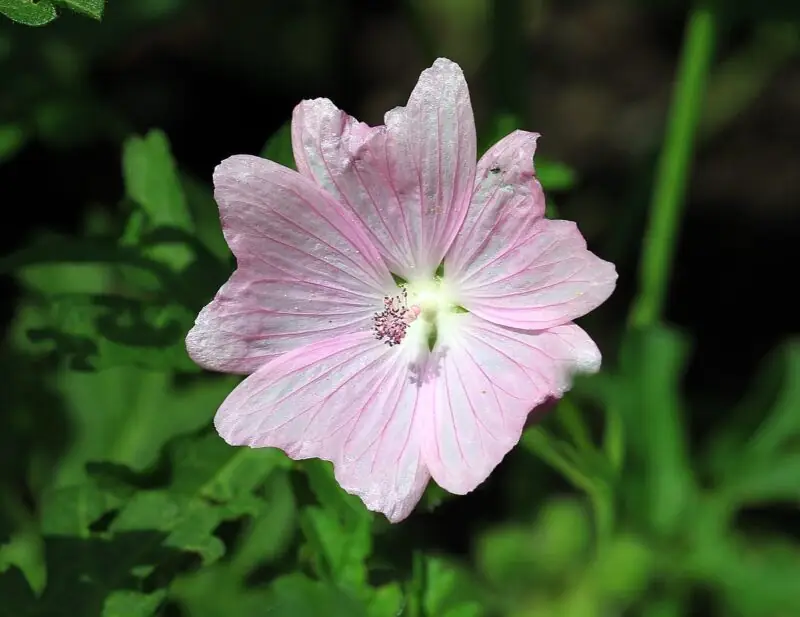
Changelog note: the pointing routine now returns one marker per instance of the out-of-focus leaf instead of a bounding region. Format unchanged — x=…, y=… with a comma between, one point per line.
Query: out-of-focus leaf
x=269, y=534
x=623, y=569
x=211, y=591
x=125, y=415
x=449, y=591
x=343, y=551
x=763, y=481
x=554, y=176
x=646, y=394
x=279, y=147
x=59, y=250
x=95, y=332
x=28, y=12
x=757, y=465
x=152, y=181
x=205, y=213
x=133, y=604
x=513, y=557
x=349, y=508
x=12, y=137
x=782, y=421
x=70, y=511
x=297, y=596
x=211, y=482
x=85, y=576
x=756, y=580
x=338, y=534
x=387, y=601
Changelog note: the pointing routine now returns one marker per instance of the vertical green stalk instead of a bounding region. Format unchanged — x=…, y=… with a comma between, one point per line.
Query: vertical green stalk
x=673, y=167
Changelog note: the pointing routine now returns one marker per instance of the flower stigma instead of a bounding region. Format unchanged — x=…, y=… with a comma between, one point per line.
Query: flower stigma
x=415, y=313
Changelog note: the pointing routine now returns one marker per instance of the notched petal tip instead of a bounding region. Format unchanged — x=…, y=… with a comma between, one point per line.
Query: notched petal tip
x=510, y=160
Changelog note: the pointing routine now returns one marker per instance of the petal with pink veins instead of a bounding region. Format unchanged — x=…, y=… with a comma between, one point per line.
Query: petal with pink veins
x=306, y=269
x=540, y=279
x=506, y=203
x=483, y=382
x=351, y=400
x=409, y=181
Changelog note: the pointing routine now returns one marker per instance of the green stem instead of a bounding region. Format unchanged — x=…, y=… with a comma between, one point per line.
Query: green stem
x=572, y=420
x=542, y=444
x=674, y=164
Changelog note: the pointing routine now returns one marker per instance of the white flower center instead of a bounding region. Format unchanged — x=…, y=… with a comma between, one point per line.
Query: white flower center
x=416, y=315
x=432, y=297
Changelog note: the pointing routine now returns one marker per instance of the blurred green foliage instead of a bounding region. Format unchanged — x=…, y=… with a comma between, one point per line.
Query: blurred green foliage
x=117, y=498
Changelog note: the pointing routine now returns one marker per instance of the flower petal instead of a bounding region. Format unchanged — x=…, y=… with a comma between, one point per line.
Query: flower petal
x=534, y=280
x=348, y=159
x=409, y=182
x=350, y=400
x=306, y=270
x=487, y=380
x=506, y=202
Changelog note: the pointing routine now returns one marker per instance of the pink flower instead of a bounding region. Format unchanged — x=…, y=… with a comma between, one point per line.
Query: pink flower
x=396, y=383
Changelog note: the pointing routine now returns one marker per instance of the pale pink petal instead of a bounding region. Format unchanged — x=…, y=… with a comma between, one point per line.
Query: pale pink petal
x=410, y=181
x=306, y=270
x=539, y=279
x=506, y=203
x=351, y=400
x=348, y=159
x=487, y=379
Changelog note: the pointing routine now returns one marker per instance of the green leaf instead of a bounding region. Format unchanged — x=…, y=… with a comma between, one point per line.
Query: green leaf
x=86, y=570
x=623, y=569
x=57, y=251
x=211, y=482
x=279, y=147
x=514, y=556
x=554, y=176
x=764, y=481
x=343, y=551
x=386, y=601
x=152, y=181
x=297, y=596
x=126, y=416
x=28, y=12
x=90, y=8
x=756, y=580
x=212, y=591
x=781, y=376
x=95, y=332
x=133, y=604
x=12, y=138
x=69, y=511
x=338, y=534
x=646, y=393
x=349, y=508
x=205, y=213
x=41, y=12
x=449, y=591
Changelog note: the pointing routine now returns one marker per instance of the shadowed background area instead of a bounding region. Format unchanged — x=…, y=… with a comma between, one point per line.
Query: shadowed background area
x=106, y=440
